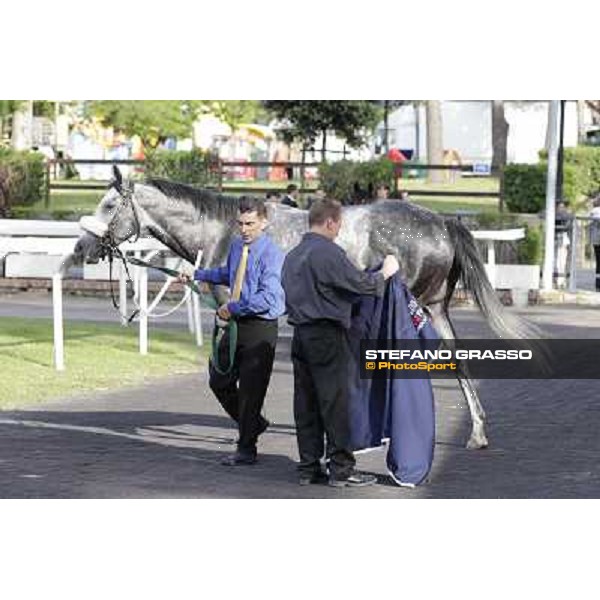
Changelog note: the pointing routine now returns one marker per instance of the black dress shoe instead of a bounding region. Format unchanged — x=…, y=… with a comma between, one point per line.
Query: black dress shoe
x=316, y=477
x=238, y=459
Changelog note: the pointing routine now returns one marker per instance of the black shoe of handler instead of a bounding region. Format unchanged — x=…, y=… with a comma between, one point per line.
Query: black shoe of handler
x=316, y=477
x=356, y=479
x=239, y=459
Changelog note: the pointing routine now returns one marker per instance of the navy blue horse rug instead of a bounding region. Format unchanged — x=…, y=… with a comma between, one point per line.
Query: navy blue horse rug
x=397, y=410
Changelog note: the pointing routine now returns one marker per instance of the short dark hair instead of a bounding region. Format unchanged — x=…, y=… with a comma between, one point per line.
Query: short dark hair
x=321, y=210
x=292, y=188
x=251, y=204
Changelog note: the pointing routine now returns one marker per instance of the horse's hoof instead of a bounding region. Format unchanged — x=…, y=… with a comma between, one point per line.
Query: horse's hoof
x=477, y=443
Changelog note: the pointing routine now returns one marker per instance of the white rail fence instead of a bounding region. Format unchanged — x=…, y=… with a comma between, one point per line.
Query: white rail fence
x=37, y=248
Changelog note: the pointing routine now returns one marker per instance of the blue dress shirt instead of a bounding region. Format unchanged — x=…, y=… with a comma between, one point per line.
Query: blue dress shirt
x=262, y=294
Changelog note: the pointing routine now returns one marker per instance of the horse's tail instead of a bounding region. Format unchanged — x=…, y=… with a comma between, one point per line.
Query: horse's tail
x=468, y=267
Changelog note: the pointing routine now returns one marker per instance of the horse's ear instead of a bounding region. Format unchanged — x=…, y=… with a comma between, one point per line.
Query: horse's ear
x=118, y=177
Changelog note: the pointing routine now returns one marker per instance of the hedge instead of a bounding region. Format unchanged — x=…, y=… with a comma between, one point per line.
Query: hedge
x=525, y=186
x=349, y=181
x=22, y=178
x=195, y=167
x=586, y=159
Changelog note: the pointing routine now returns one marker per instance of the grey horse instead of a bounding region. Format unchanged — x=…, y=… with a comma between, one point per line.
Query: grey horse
x=434, y=253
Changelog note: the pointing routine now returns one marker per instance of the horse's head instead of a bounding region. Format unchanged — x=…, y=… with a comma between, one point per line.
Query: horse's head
x=114, y=221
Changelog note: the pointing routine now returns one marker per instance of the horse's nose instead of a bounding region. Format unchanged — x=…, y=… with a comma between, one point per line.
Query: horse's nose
x=85, y=247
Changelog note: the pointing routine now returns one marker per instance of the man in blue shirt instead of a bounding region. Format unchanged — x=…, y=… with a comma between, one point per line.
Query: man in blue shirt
x=253, y=274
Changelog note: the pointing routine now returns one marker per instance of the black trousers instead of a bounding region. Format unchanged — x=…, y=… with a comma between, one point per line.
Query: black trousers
x=597, y=255
x=241, y=392
x=320, y=356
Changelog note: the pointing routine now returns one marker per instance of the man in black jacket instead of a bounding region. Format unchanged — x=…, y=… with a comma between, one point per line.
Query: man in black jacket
x=291, y=196
x=320, y=285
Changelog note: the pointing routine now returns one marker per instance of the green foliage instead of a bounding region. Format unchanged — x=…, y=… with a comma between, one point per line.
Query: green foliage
x=8, y=107
x=586, y=159
x=195, y=167
x=349, y=181
x=22, y=178
x=525, y=186
x=156, y=120
x=351, y=120
x=232, y=112
x=152, y=120
x=44, y=108
x=530, y=250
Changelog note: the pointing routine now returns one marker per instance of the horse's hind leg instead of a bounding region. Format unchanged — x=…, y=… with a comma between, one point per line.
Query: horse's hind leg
x=442, y=324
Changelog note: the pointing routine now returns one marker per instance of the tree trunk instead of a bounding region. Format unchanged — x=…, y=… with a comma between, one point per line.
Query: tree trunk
x=499, y=145
x=435, y=147
x=499, y=135
x=386, y=138
x=324, y=146
x=22, y=126
x=581, y=131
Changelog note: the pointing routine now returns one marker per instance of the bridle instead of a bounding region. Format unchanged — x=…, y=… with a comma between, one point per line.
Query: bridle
x=106, y=234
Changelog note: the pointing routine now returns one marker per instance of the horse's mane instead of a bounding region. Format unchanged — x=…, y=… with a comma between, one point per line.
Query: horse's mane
x=207, y=202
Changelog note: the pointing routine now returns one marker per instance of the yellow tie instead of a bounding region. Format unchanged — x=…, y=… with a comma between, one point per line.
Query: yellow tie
x=239, y=276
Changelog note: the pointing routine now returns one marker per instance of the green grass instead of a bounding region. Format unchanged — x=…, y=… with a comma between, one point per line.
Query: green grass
x=97, y=357
x=454, y=203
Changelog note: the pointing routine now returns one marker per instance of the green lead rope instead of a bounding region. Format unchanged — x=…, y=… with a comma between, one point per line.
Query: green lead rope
x=220, y=328
x=219, y=331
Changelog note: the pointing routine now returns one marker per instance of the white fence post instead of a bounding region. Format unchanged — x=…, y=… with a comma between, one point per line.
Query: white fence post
x=197, y=318
x=123, y=295
x=143, y=296
x=59, y=357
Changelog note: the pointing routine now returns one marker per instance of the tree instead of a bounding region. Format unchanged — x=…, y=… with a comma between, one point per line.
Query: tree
x=152, y=120
x=305, y=120
x=156, y=120
x=499, y=135
x=233, y=112
x=435, y=147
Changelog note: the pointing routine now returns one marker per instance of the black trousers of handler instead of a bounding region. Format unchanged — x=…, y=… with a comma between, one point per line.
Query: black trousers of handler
x=320, y=356
x=241, y=392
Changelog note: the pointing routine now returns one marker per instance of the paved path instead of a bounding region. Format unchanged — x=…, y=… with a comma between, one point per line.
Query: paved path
x=165, y=440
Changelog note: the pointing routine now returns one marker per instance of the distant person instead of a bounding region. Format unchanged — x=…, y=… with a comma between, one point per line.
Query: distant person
x=562, y=242
x=382, y=192
x=272, y=197
x=595, y=236
x=291, y=196
x=403, y=195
